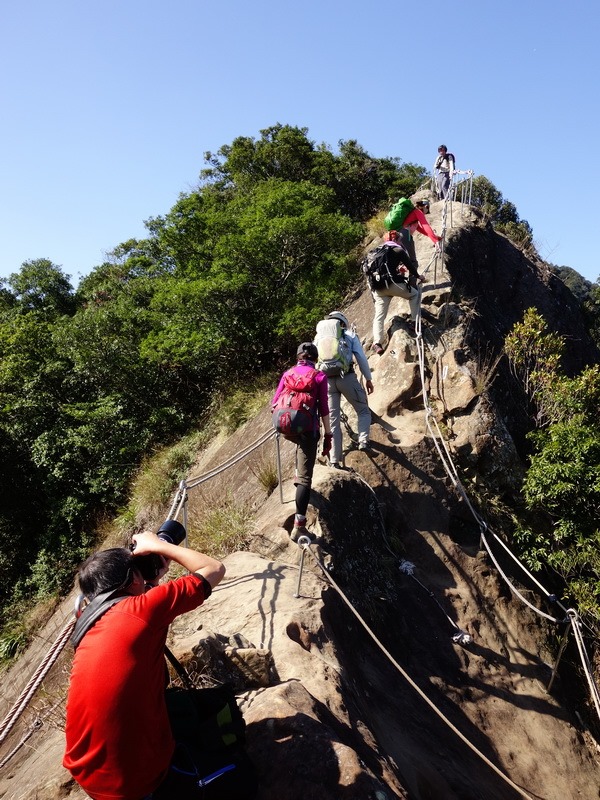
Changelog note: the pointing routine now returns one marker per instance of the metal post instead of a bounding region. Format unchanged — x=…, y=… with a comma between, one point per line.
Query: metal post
x=279, y=469
x=303, y=542
x=560, y=653
x=185, y=514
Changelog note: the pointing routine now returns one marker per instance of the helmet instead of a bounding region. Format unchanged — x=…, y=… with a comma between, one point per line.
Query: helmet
x=342, y=318
x=308, y=350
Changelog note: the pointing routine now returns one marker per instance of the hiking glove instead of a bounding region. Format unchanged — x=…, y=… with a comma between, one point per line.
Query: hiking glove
x=327, y=439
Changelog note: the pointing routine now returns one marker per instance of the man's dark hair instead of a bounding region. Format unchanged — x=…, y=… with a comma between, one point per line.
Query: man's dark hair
x=106, y=570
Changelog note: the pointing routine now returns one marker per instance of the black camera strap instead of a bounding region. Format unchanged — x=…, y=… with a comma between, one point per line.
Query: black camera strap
x=97, y=608
x=179, y=669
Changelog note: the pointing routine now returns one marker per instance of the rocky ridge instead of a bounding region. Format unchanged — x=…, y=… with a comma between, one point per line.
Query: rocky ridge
x=328, y=713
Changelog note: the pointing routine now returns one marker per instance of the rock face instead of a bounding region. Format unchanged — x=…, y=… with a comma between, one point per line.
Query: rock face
x=349, y=677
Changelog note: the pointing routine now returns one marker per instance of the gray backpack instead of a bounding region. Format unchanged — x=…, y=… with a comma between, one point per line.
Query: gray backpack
x=334, y=352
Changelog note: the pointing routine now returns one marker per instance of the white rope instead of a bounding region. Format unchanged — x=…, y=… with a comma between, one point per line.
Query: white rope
x=35, y=726
x=232, y=461
x=587, y=667
x=433, y=258
x=419, y=691
x=451, y=471
x=526, y=571
x=513, y=589
x=406, y=566
x=21, y=703
x=450, y=468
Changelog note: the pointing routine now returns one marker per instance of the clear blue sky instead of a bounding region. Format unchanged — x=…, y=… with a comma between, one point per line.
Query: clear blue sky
x=108, y=108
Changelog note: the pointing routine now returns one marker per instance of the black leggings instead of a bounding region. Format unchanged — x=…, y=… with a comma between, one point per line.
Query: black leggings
x=302, y=498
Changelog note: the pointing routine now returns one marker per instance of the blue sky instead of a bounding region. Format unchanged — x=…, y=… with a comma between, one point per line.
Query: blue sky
x=108, y=108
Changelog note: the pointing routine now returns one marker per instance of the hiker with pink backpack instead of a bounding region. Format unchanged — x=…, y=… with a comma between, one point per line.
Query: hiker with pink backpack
x=298, y=404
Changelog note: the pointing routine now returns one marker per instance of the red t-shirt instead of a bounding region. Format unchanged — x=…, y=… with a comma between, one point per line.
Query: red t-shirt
x=119, y=742
x=416, y=215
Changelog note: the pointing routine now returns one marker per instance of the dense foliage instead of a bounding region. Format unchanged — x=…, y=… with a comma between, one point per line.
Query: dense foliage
x=563, y=479
x=225, y=284
x=501, y=213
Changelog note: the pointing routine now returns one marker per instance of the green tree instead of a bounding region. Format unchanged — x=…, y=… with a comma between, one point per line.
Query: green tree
x=575, y=282
x=360, y=182
x=563, y=479
x=501, y=213
x=592, y=311
x=283, y=152
x=23, y=513
x=186, y=235
x=281, y=247
x=225, y=283
x=43, y=287
x=534, y=354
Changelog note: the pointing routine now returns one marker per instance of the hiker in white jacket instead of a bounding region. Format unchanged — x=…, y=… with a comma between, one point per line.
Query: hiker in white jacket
x=348, y=385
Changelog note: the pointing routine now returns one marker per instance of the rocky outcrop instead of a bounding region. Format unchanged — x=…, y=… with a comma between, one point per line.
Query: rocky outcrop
x=350, y=680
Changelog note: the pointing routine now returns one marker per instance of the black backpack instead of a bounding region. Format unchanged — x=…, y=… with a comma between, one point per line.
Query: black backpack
x=375, y=267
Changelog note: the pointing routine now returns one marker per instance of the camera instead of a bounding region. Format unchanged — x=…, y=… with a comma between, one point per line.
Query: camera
x=151, y=564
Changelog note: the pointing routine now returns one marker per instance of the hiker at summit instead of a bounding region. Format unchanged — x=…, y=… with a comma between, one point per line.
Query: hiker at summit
x=119, y=744
x=310, y=386
x=443, y=170
x=338, y=348
x=402, y=281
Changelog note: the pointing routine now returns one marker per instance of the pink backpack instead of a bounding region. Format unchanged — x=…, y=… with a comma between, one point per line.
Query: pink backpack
x=295, y=410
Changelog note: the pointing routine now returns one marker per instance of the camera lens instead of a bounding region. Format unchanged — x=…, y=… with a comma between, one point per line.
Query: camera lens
x=151, y=564
x=172, y=531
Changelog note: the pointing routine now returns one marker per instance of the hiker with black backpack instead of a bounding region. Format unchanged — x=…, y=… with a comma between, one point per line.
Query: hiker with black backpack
x=338, y=348
x=298, y=404
x=119, y=741
x=391, y=273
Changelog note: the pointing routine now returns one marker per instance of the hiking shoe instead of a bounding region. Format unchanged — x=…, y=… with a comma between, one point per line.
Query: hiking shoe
x=297, y=532
x=301, y=530
x=335, y=464
x=377, y=348
x=364, y=446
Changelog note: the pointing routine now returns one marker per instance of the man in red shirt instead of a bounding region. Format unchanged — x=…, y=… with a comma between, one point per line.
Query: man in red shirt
x=119, y=741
